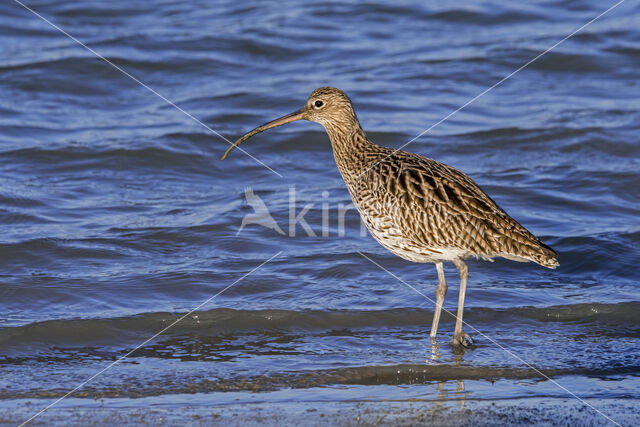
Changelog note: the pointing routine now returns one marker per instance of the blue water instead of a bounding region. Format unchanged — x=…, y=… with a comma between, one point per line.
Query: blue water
x=118, y=217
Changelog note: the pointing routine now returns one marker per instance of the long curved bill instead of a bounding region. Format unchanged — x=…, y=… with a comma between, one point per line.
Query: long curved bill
x=296, y=115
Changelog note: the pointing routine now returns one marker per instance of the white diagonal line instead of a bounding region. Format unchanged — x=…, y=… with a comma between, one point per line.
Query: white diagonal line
x=484, y=92
x=509, y=352
x=112, y=364
x=150, y=89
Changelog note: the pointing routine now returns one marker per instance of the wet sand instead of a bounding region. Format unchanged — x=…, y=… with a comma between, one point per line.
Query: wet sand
x=506, y=412
x=451, y=408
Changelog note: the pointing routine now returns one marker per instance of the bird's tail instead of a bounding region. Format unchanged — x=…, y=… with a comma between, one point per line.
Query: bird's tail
x=531, y=249
x=545, y=256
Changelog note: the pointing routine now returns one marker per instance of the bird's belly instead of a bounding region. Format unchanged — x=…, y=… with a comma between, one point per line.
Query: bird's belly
x=408, y=250
x=384, y=230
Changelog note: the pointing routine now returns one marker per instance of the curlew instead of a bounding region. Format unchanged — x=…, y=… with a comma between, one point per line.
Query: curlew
x=416, y=207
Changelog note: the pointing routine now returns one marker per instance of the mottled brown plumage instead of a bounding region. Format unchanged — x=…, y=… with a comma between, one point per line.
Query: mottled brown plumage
x=416, y=207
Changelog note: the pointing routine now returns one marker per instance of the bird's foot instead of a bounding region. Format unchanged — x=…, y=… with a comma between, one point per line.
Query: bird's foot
x=462, y=339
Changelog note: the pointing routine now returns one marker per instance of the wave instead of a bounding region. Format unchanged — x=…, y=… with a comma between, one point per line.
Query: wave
x=105, y=331
x=85, y=159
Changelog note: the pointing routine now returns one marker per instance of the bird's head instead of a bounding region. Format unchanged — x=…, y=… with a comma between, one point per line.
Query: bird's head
x=328, y=106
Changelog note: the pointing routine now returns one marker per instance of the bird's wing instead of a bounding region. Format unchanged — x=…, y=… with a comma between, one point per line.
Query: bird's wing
x=440, y=207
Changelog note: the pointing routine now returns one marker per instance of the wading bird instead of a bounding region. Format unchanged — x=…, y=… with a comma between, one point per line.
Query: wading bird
x=417, y=208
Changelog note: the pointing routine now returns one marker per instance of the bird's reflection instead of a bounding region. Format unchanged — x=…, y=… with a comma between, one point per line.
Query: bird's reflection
x=436, y=354
x=443, y=393
x=461, y=396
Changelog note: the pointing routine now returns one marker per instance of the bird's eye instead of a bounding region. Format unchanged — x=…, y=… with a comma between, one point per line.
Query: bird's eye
x=318, y=104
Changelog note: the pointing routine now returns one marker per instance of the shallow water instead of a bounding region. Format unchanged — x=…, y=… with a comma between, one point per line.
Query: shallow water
x=118, y=216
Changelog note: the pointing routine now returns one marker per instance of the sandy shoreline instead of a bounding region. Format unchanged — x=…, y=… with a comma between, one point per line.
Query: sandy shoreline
x=203, y=409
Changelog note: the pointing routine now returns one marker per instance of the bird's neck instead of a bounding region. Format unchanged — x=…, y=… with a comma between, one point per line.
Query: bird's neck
x=350, y=146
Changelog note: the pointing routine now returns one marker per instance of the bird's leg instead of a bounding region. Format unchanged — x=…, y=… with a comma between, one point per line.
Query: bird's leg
x=441, y=291
x=459, y=337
